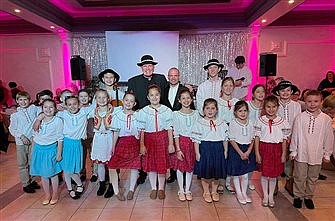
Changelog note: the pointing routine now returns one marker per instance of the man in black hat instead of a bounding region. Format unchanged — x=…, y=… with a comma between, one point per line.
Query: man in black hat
x=110, y=79
x=139, y=86
x=211, y=88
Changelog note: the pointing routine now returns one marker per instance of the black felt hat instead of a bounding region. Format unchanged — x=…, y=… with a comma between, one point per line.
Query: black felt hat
x=282, y=85
x=147, y=59
x=116, y=75
x=213, y=62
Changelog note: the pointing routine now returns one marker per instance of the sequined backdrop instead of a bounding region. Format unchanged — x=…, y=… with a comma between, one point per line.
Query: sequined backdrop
x=194, y=51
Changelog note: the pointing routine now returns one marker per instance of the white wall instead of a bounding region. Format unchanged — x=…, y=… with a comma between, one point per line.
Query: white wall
x=305, y=53
x=33, y=61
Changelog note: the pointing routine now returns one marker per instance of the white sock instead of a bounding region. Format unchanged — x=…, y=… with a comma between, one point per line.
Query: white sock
x=133, y=178
x=180, y=179
x=236, y=180
x=244, y=185
x=272, y=186
x=250, y=178
x=153, y=180
x=67, y=178
x=161, y=181
x=76, y=179
x=114, y=179
x=101, y=172
x=265, y=188
x=188, y=182
x=228, y=181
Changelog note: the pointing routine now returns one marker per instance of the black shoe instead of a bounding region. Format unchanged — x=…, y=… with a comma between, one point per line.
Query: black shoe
x=141, y=179
x=34, y=185
x=73, y=194
x=289, y=191
x=171, y=179
x=309, y=203
x=198, y=177
x=297, y=203
x=28, y=189
x=110, y=191
x=322, y=177
x=102, y=188
x=83, y=177
x=94, y=178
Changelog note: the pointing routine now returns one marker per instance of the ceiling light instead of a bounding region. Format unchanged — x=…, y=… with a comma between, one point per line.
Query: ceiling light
x=52, y=27
x=17, y=10
x=291, y=1
x=263, y=20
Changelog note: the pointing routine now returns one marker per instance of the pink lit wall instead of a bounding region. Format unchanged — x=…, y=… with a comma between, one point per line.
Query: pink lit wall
x=33, y=61
x=305, y=53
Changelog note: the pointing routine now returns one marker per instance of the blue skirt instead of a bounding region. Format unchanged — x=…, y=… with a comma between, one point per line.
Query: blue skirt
x=235, y=165
x=72, y=156
x=43, y=161
x=212, y=162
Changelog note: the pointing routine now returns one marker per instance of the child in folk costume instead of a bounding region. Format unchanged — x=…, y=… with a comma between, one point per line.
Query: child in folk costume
x=183, y=121
x=210, y=135
x=63, y=94
x=75, y=124
x=156, y=140
x=84, y=101
x=241, y=157
x=47, y=151
x=110, y=79
x=255, y=108
x=271, y=132
x=288, y=109
x=226, y=104
x=126, y=148
x=312, y=143
x=103, y=139
x=21, y=128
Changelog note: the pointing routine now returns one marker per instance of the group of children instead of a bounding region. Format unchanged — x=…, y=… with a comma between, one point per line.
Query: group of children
x=230, y=138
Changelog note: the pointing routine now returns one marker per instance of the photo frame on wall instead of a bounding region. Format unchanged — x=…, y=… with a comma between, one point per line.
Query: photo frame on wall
x=279, y=48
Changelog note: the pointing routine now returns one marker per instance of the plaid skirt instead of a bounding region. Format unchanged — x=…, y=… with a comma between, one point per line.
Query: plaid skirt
x=156, y=158
x=126, y=154
x=187, y=147
x=271, y=165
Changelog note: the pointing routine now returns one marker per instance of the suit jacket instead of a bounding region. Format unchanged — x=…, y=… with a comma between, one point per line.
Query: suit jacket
x=165, y=98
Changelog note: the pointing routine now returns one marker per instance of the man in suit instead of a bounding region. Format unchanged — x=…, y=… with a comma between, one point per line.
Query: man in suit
x=170, y=99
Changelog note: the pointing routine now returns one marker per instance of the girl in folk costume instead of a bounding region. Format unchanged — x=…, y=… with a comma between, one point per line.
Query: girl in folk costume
x=183, y=121
x=255, y=108
x=241, y=157
x=156, y=140
x=210, y=134
x=271, y=132
x=110, y=79
x=47, y=151
x=125, y=151
x=226, y=104
x=75, y=124
x=63, y=94
x=103, y=139
x=256, y=103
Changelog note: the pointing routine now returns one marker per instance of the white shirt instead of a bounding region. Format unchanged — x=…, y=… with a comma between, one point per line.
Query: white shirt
x=125, y=124
x=209, y=130
x=226, y=109
x=242, y=91
x=183, y=123
x=112, y=94
x=289, y=111
x=241, y=133
x=49, y=132
x=275, y=133
x=173, y=93
x=208, y=89
x=254, y=112
x=75, y=125
x=21, y=123
x=312, y=138
x=154, y=120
